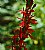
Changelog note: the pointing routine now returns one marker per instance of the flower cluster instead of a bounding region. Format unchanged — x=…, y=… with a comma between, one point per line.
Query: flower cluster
x=25, y=29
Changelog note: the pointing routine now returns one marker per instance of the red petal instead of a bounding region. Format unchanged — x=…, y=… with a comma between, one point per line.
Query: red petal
x=23, y=12
x=30, y=31
x=22, y=24
x=16, y=36
x=20, y=35
x=28, y=20
x=21, y=42
x=25, y=48
x=25, y=36
x=27, y=26
x=14, y=48
x=31, y=10
x=33, y=21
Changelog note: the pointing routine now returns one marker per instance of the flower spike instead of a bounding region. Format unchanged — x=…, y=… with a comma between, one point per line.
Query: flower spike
x=25, y=29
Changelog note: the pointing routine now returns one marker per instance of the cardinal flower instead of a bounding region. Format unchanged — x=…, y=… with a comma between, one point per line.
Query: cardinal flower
x=23, y=12
x=20, y=35
x=25, y=29
x=31, y=10
x=15, y=36
x=30, y=31
x=33, y=21
x=25, y=36
x=21, y=43
x=22, y=24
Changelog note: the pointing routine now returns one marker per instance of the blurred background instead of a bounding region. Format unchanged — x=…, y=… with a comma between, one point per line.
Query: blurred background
x=8, y=22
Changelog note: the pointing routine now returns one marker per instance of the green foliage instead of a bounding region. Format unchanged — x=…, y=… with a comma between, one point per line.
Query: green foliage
x=9, y=10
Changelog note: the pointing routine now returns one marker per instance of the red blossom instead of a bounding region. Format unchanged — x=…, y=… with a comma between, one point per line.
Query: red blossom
x=23, y=12
x=14, y=48
x=30, y=31
x=25, y=36
x=31, y=10
x=29, y=20
x=15, y=36
x=22, y=24
x=26, y=14
x=21, y=42
x=20, y=35
x=33, y=21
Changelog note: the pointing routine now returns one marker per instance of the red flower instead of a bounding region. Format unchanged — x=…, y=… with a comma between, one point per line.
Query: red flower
x=22, y=24
x=15, y=36
x=21, y=43
x=30, y=31
x=14, y=48
x=33, y=21
x=20, y=35
x=23, y=12
x=26, y=14
x=25, y=28
x=31, y=10
x=29, y=20
x=25, y=36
